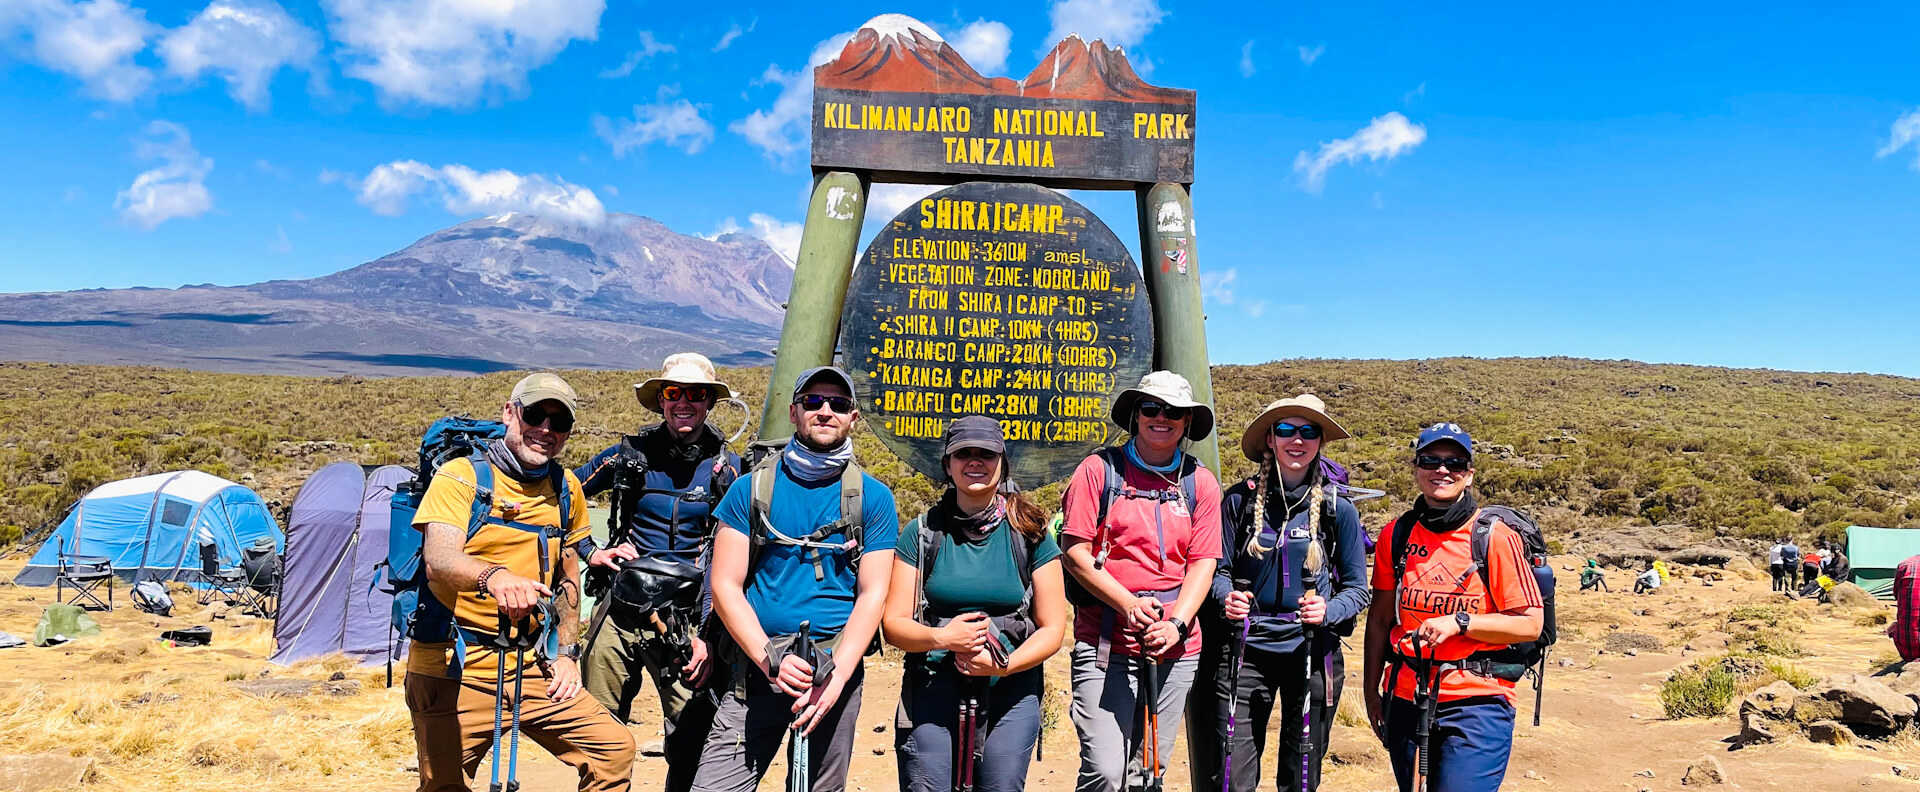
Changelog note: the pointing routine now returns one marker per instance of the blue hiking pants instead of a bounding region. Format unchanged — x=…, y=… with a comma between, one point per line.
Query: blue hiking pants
x=1471, y=740
x=924, y=738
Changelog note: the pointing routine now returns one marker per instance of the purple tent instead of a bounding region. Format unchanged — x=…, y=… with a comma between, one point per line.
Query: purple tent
x=332, y=599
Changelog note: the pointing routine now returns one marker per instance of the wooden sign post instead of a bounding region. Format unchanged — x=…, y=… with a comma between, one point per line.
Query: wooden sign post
x=998, y=296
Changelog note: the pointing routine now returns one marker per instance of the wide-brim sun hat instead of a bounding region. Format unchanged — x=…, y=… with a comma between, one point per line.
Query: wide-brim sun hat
x=1171, y=390
x=685, y=368
x=1306, y=406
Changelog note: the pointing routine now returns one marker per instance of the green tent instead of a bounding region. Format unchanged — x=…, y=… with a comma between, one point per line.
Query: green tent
x=1874, y=552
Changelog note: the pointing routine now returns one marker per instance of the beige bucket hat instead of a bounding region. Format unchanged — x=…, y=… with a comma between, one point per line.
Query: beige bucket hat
x=685, y=368
x=1169, y=389
x=1253, y=442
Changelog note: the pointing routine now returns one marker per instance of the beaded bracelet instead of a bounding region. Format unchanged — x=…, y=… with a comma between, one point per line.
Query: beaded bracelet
x=480, y=585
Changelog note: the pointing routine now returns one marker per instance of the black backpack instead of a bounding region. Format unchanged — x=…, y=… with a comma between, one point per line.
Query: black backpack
x=1520, y=658
x=630, y=485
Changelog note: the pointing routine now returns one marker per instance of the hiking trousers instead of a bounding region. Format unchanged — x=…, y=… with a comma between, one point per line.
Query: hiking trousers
x=1268, y=679
x=626, y=646
x=1106, y=714
x=748, y=733
x=930, y=699
x=1471, y=740
x=453, y=730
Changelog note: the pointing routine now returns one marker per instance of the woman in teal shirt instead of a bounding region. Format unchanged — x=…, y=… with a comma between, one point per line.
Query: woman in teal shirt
x=978, y=603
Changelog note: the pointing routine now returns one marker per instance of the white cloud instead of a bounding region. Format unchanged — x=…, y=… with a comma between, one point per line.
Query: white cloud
x=649, y=47
x=1218, y=288
x=984, y=43
x=734, y=32
x=175, y=188
x=94, y=41
x=1386, y=137
x=885, y=201
x=449, y=53
x=1246, y=59
x=1906, y=130
x=243, y=41
x=1310, y=54
x=675, y=122
x=389, y=188
x=782, y=236
x=781, y=131
x=1121, y=23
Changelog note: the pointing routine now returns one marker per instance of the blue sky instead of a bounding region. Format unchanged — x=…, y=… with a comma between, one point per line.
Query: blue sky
x=1700, y=183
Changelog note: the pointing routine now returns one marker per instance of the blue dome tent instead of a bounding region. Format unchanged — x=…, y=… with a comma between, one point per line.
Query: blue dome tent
x=152, y=527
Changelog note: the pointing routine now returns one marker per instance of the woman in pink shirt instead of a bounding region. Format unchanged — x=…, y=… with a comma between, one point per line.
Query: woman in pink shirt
x=1142, y=537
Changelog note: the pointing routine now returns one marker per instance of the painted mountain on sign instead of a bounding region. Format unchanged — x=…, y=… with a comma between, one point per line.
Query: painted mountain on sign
x=507, y=292
x=894, y=52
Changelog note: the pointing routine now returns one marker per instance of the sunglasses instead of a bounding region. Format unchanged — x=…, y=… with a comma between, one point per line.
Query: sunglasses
x=1153, y=409
x=557, y=420
x=813, y=401
x=971, y=454
x=696, y=393
x=1305, y=431
x=1452, y=463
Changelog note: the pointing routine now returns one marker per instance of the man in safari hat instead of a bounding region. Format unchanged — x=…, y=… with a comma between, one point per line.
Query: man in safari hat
x=665, y=480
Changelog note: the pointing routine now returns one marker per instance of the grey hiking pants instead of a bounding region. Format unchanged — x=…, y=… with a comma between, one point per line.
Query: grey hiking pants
x=1106, y=714
x=748, y=733
x=611, y=672
x=1010, y=725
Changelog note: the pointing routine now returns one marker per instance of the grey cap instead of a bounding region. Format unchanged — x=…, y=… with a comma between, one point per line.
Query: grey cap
x=973, y=431
x=542, y=386
x=830, y=373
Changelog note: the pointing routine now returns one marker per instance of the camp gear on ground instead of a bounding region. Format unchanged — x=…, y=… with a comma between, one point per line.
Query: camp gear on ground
x=85, y=575
x=197, y=635
x=151, y=596
x=684, y=368
x=331, y=597
x=1513, y=661
x=62, y=623
x=1306, y=407
x=1169, y=389
x=417, y=613
x=149, y=527
x=9, y=640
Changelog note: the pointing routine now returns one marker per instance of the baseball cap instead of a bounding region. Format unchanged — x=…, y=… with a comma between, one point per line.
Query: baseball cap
x=543, y=385
x=830, y=373
x=1445, y=430
x=973, y=431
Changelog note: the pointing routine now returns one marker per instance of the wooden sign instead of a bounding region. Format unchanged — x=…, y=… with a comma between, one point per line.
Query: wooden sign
x=900, y=103
x=1005, y=300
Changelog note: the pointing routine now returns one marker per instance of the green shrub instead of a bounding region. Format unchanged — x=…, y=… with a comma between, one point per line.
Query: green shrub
x=1694, y=691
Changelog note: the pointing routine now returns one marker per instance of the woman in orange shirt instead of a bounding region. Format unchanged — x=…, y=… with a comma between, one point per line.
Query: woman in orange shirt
x=1435, y=615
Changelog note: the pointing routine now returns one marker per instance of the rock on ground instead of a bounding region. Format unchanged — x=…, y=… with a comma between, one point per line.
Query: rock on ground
x=1903, y=678
x=1701, y=555
x=1623, y=641
x=1705, y=771
x=1355, y=746
x=1857, y=701
x=43, y=771
x=1848, y=595
x=1829, y=732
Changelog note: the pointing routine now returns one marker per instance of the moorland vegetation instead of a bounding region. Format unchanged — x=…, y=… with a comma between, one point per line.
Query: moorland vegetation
x=1741, y=452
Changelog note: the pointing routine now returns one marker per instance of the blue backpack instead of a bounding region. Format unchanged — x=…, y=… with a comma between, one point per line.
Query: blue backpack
x=417, y=614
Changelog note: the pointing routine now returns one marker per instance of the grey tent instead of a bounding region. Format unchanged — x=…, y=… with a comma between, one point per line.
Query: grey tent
x=334, y=598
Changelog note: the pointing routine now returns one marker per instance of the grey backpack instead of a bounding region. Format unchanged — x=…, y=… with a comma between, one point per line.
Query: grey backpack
x=151, y=596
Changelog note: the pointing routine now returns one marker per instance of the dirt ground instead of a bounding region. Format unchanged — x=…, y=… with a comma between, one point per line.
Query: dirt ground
x=146, y=714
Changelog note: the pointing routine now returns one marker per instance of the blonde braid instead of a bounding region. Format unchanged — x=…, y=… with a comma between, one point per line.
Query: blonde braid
x=1261, y=481
x=1316, y=555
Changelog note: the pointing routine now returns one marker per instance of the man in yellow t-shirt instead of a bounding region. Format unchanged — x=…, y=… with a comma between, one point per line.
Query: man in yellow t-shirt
x=499, y=571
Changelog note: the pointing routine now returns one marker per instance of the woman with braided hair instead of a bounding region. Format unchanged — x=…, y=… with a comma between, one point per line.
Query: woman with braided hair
x=1293, y=574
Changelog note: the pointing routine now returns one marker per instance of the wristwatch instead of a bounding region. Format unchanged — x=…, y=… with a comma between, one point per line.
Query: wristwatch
x=571, y=652
x=1462, y=618
x=1179, y=624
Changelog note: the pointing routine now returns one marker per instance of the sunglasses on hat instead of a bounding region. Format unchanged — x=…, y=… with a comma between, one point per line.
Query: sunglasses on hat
x=1451, y=463
x=813, y=401
x=1154, y=409
x=1305, y=431
x=697, y=393
x=557, y=419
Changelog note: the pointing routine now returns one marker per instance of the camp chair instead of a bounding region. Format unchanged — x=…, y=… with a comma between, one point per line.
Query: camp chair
x=228, y=583
x=85, y=574
x=260, y=565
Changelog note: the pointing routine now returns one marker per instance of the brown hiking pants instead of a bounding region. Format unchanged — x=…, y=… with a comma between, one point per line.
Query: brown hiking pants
x=453, y=731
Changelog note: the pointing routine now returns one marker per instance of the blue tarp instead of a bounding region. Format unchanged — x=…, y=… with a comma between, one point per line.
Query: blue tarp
x=151, y=527
x=333, y=598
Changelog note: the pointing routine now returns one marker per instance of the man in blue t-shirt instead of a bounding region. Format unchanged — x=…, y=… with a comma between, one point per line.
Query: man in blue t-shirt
x=798, y=563
x=665, y=480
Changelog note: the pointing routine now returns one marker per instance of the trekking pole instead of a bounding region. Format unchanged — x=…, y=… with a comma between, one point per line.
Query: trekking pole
x=1150, y=705
x=1306, y=709
x=515, y=638
x=1237, y=653
x=799, y=771
x=1423, y=696
x=967, y=745
x=499, y=686
x=1540, y=685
